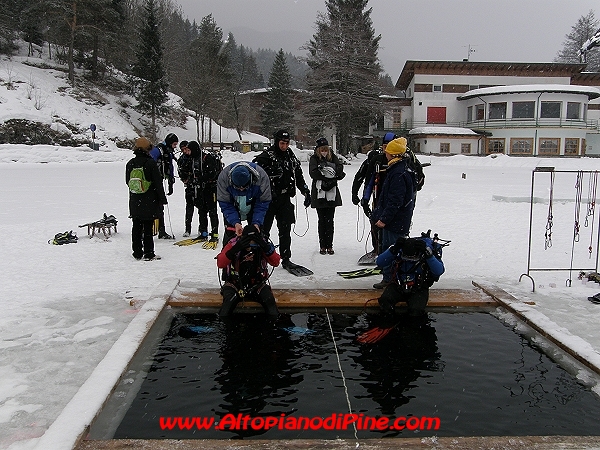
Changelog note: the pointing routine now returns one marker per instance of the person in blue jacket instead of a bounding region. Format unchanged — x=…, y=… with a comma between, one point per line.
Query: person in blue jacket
x=244, y=194
x=394, y=209
x=416, y=264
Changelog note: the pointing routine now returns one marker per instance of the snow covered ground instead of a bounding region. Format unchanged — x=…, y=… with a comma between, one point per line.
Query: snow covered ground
x=64, y=306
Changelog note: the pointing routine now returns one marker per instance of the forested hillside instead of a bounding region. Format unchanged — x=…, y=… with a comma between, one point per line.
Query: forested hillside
x=149, y=50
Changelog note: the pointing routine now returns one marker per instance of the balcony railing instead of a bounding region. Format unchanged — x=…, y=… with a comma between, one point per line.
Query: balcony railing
x=592, y=125
x=531, y=123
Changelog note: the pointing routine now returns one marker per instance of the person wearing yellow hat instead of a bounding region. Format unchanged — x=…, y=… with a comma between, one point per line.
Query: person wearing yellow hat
x=394, y=209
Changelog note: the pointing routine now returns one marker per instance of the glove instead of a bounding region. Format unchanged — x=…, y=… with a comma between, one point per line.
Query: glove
x=365, y=206
x=355, y=199
x=264, y=245
x=307, y=200
x=170, y=189
x=239, y=245
x=421, y=246
x=341, y=176
x=400, y=242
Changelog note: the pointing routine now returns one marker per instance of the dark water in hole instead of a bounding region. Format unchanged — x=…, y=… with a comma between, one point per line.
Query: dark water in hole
x=468, y=369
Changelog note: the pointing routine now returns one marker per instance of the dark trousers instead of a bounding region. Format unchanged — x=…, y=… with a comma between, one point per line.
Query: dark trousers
x=206, y=202
x=281, y=209
x=392, y=294
x=325, y=226
x=231, y=298
x=142, y=241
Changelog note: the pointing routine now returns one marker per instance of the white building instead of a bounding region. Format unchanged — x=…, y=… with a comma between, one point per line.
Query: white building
x=541, y=109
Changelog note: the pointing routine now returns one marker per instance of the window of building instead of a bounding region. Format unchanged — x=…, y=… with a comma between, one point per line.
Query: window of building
x=469, y=113
x=396, y=118
x=437, y=88
x=436, y=114
x=479, y=112
x=417, y=147
x=444, y=147
x=521, y=146
x=585, y=110
x=573, y=109
x=497, y=111
x=550, y=110
x=549, y=146
x=473, y=86
x=572, y=146
x=495, y=146
x=523, y=110
x=465, y=148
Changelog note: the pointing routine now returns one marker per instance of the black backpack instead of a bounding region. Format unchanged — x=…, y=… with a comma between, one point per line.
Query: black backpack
x=415, y=166
x=248, y=270
x=211, y=167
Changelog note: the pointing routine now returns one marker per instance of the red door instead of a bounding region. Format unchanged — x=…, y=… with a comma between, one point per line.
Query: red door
x=436, y=114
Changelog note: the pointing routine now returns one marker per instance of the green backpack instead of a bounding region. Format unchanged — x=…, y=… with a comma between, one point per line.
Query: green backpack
x=137, y=181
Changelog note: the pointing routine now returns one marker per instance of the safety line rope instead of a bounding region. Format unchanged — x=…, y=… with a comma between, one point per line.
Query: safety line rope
x=342, y=372
x=360, y=235
x=168, y=214
x=591, y=207
x=578, y=194
x=550, y=218
x=296, y=216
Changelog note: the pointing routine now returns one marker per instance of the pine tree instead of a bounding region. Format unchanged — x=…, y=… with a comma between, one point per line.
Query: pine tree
x=151, y=83
x=278, y=111
x=343, y=84
x=584, y=29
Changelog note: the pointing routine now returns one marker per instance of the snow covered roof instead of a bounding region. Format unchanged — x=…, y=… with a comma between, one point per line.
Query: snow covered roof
x=443, y=130
x=591, y=92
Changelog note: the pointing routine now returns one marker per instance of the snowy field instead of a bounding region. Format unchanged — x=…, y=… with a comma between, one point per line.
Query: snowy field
x=64, y=306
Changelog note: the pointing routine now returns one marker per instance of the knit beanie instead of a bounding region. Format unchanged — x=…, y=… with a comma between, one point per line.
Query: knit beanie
x=321, y=142
x=240, y=176
x=142, y=143
x=281, y=135
x=396, y=147
x=171, y=138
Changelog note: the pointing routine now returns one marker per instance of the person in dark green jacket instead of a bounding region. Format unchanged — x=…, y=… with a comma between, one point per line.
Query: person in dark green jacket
x=146, y=198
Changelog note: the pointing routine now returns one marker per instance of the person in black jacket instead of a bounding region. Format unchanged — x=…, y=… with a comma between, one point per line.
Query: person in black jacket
x=372, y=174
x=325, y=169
x=285, y=174
x=164, y=155
x=145, y=206
x=199, y=170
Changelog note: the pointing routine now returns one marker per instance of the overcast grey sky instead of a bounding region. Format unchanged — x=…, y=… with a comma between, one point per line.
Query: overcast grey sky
x=498, y=30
